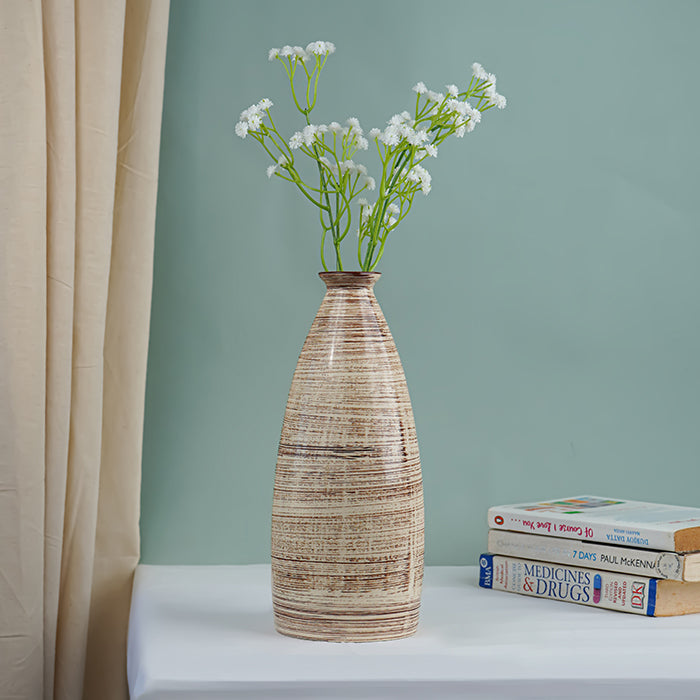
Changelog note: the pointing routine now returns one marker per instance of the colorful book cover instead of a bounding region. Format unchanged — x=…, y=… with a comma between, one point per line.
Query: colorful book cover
x=603, y=589
x=606, y=520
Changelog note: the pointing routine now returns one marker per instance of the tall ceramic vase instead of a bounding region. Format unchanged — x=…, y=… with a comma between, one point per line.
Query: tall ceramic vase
x=347, y=516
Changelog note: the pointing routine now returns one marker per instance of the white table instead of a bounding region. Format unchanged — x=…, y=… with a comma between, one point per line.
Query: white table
x=206, y=632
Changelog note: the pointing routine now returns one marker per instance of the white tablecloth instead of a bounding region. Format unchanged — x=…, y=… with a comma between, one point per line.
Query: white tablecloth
x=205, y=632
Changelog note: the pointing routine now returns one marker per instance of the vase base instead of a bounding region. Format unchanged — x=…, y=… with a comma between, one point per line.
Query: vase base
x=358, y=627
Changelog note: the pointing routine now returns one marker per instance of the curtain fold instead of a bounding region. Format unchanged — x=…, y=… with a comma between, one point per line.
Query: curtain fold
x=59, y=43
x=22, y=350
x=126, y=340
x=81, y=88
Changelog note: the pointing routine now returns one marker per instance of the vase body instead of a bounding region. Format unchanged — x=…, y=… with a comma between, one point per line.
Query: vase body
x=347, y=515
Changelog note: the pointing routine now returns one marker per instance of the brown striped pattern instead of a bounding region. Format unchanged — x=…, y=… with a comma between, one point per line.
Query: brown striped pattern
x=347, y=515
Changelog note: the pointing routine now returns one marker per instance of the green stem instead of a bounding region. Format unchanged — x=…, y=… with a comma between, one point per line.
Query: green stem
x=323, y=244
x=338, y=260
x=294, y=95
x=384, y=196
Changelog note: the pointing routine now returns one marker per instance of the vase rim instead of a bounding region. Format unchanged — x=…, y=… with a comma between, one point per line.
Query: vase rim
x=358, y=273
x=349, y=278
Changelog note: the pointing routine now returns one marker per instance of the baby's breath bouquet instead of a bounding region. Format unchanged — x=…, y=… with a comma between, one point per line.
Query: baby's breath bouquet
x=406, y=142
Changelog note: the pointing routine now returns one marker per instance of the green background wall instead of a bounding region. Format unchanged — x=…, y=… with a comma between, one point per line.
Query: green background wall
x=545, y=297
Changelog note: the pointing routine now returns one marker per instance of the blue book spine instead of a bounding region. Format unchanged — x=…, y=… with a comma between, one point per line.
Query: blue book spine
x=486, y=571
x=651, y=600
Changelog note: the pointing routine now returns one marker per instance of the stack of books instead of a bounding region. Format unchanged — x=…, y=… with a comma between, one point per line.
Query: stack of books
x=623, y=555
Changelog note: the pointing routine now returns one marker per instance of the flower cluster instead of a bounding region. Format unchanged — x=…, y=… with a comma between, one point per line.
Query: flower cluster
x=312, y=50
x=488, y=81
x=421, y=176
x=352, y=135
x=407, y=140
x=251, y=119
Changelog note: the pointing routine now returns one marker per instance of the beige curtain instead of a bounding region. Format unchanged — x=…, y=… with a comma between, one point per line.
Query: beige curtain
x=81, y=89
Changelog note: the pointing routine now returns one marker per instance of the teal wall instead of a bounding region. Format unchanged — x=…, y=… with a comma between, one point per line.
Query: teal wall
x=545, y=297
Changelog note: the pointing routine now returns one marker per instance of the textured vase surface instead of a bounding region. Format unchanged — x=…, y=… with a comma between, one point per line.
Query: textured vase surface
x=347, y=515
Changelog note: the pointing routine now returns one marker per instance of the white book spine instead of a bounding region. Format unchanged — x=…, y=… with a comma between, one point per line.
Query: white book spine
x=601, y=589
x=571, y=527
x=666, y=565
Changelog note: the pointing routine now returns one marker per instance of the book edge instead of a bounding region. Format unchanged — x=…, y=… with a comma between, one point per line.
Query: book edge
x=687, y=539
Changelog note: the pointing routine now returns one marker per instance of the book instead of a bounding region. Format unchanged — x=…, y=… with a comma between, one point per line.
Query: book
x=629, y=560
x=595, y=587
x=606, y=520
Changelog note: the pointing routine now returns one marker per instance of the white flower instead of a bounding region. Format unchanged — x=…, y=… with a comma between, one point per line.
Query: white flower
x=354, y=124
x=283, y=161
x=300, y=53
x=322, y=128
x=420, y=175
x=399, y=119
x=374, y=133
x=490, y=89
x=254, y=121
x=470, y=125
x=391, y=136
x=365, y=209
x=459, y=133
x=309, y=134
x=415, y=138
x=435, y=96
x=499, y=101
x=479, y=72
x=452, y=90
x=335, y=127
x=369, y=181
x=253, y=110
x=460, y=108
x=273, y=54
x=420, y=88
x=431, y=150
x=347, y=166
x=473, y=114
x=320, y=48
x=251, y=118
x=271, y=170
x=390, y=221
x=493, y=97
x=361, y=169
x=393, y=209
x=297, y=140
x=286, y=51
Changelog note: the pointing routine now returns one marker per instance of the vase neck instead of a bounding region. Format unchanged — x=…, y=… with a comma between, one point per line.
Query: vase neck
x=357, y=280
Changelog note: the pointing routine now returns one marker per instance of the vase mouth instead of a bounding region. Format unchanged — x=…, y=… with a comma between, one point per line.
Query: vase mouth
x=351, y=278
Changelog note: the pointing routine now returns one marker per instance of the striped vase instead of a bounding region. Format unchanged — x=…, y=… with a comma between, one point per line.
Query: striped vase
x=347, y=515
